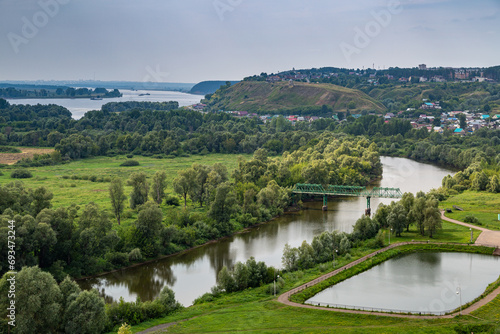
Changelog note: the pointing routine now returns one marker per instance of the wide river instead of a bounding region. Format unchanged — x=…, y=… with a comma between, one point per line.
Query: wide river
x=79, y=107
x=193, y=273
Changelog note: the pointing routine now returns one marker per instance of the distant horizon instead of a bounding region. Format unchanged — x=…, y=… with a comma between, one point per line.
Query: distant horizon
x=194, y=83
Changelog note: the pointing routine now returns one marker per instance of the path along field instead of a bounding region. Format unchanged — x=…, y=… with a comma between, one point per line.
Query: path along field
x=26, y=152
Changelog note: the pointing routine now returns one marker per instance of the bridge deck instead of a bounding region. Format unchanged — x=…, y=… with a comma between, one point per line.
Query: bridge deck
x=318, y=189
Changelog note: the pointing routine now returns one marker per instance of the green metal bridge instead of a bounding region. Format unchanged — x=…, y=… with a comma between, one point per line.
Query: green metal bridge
x=355, y=191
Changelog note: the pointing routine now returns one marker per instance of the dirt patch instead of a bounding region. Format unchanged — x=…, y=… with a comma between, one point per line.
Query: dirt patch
x=12, y=158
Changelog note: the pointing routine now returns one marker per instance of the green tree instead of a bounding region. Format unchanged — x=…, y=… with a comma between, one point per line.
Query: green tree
x=149, y=220
x=198, y=191
x=86, y=314
x=184, y=183
x=416, y=214
x=139, y=194
x=118, y=197
x=225, y=280
x=494, y=184
x=41, y=198
x=407, y=203
x=463, y=121
x=37, y=301
x=158, y=187
x=480, y=181
x=432, y=216
x=397, y=219
x=223, y=206
x=290, y=257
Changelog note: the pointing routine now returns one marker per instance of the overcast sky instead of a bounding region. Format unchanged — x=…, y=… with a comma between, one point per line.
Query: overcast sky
x=195, y=40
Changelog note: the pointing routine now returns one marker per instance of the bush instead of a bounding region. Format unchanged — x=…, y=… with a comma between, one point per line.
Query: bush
x=21, y=174
x=172, y=200
x=93, y=178
x=118, y=259
x=129, y=163
x=472, y=220
x=130, y=156
x=135, y=255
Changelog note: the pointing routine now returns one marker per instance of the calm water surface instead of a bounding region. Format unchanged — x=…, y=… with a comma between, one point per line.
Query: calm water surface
x=192, y=274
x=420, y=282
x=79, y=107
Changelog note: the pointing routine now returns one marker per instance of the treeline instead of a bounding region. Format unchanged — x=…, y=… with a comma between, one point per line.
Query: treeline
x=43, y=306
x=113, y=107
x=145, y=132
x=60, y=92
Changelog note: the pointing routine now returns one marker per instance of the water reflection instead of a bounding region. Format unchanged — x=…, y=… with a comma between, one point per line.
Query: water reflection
x=193, y=273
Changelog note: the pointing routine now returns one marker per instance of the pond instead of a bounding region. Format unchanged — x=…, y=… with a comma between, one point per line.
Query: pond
x=417, y=283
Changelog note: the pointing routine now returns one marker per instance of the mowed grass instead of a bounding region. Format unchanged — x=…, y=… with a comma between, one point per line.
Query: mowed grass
x=449, y=232
x=483, y=205
x=82, y=192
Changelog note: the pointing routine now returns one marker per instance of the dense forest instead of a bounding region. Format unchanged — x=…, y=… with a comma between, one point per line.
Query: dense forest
x=59, y=92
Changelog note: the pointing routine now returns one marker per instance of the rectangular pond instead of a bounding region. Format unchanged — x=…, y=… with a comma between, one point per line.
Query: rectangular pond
x=427, y=283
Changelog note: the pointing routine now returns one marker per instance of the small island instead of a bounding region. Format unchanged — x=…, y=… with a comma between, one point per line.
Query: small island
x=53, y=92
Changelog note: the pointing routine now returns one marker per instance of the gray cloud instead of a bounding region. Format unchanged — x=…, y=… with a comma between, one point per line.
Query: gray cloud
x=196, y=40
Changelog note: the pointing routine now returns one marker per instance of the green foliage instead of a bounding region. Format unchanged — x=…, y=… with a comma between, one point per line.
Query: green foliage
x=158, y=187
x=21, y=174
x=37, y=301
x=117, y=197
x=129, y=163
x=125, y=329
x=140, y=187
x=85, y=314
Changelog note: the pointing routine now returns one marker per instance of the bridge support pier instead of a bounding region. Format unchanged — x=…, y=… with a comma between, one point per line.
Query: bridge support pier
x=368, y=210
x=325, y=203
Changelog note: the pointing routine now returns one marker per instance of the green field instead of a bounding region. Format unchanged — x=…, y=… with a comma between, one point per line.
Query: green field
x=450, y=232
x=82, y=192
x=484, y=206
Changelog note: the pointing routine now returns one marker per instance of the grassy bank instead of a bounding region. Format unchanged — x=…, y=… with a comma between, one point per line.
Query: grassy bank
x=482, y=205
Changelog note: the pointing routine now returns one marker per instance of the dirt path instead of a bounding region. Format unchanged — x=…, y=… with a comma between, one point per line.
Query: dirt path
x=486, y=238
x=27, y=152
x=157, y=329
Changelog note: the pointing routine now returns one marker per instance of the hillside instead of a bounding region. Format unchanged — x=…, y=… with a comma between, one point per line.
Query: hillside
x=208, y=87
x=261, y=96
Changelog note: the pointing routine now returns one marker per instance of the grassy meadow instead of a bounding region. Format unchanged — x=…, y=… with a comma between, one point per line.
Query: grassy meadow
x=81, y=192
x=483, y=205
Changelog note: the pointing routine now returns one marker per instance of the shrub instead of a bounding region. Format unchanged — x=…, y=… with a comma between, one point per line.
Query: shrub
x=65, y=177
x=135, y=255
x=472, y=220
x=130, y=156
x=21, y=174
x=129, y=163
x=118, y=259
x=93, y=178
